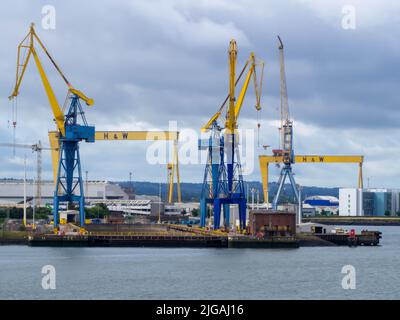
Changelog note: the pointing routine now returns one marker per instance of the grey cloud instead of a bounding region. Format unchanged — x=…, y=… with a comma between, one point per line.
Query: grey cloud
x=148, y=62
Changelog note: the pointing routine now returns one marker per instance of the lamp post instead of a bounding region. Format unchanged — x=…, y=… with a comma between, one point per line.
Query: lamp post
x=87, y=184
x=24, y=218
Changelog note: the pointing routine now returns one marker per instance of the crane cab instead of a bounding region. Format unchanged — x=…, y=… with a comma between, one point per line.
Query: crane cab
x=79, y=133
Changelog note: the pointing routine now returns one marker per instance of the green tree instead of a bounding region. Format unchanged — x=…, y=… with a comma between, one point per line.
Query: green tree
x=195, y=212
x=387, y=213
x=17, y=213
x=3, y=213
x=98, y=211
x=43, y=213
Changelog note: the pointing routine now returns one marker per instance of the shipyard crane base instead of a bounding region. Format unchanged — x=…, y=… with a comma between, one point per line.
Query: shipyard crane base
x=69, y=174
x=285, y=172
x=223, y=183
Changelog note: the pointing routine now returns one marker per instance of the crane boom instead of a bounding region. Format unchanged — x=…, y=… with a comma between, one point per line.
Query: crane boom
x=251, y=65
x=230, y=122
x=286, y=133
x=284, y=95
x=22, y=63
x=215, y=117
x=257, y=88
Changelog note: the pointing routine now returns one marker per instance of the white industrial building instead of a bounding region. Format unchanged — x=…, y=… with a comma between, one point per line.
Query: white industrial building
x=132, y=207
x=350, y=202
x=368, y=202
x=13, y=190
x=147, y=206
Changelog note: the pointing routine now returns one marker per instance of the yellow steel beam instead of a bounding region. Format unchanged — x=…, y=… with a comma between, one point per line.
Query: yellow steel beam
x=173, y=169
x=264, y=178
x=314, y=159
x=266, y=160
x=58, y=114
x=125, y=136
x=150, y=136
x=328, y=159
x=137, y=135
x=55, y=152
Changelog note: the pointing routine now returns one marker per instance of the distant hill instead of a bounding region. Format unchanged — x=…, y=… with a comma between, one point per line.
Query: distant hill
x=192, y=191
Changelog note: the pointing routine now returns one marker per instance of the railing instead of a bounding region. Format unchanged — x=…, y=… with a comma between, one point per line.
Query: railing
x=197, y=230
x=128, y=233
x=155, y=237
x=271, y=239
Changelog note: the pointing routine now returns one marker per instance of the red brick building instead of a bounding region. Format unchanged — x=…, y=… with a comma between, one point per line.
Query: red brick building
x=272, y=223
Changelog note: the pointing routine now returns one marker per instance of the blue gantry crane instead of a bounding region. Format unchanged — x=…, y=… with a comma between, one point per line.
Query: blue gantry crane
x=223, y=181
x=72, y=127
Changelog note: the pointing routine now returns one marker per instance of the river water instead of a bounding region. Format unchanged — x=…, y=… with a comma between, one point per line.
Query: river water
x=180, y=273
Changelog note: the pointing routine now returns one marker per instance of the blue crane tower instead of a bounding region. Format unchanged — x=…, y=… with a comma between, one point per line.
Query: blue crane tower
x=223, y=183
x=69, y=173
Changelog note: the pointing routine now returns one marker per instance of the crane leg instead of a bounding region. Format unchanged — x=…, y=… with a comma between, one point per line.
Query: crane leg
x=281, y=182
x=360, y=176
x=203, y=212
x=293, y=184
x=55, y=211
x=242, y=214
x=226, y=215
x=217, y=213
x=264, y=176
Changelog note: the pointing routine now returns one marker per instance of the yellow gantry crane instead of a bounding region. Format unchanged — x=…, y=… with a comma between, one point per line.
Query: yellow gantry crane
x=266, y=160
x=172, y=167
x=69, y=185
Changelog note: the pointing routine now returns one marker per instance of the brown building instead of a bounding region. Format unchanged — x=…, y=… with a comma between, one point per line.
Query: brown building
x=115, y=217
x=272, y=223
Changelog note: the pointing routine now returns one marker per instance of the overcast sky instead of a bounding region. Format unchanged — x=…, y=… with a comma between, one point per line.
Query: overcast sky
x=148, y=62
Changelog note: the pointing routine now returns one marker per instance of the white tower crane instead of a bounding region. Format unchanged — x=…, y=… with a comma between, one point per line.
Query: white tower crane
x=286, y=131
x=38, y=149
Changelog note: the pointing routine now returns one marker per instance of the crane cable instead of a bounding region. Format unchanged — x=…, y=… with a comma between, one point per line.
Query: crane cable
x=259, y=89
x=14, y=111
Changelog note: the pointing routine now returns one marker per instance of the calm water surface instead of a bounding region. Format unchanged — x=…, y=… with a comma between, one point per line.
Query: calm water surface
x=163, y=273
